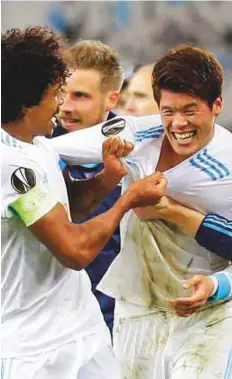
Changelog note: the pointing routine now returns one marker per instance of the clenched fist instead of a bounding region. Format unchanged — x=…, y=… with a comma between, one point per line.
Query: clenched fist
x=112, y=150
x=148, y=191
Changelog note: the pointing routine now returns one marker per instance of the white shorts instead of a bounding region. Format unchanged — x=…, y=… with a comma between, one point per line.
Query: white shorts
x=74, y=360
x=156, y=344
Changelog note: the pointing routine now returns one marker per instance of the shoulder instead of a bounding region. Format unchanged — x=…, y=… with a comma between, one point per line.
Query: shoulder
x=46, y=144
x=220, y=147
x=149, y=128
x=222, y=135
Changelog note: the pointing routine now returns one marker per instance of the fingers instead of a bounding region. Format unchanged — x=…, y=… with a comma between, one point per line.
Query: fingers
x=202, y=288
x=188, y=302
x=159, y=180
x=186, y=311
x=194, y=281
x=162, y=183
x=156, y=177
x=114, y=145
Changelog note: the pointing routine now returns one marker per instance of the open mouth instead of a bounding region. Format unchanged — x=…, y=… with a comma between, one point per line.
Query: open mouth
x=184, y=138
x=70, y=120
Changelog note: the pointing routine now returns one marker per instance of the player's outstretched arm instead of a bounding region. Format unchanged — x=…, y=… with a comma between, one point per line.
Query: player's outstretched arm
x=85, y=195
x=76, y=245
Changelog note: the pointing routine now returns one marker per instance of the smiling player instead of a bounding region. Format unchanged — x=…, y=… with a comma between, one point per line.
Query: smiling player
x=194, y=153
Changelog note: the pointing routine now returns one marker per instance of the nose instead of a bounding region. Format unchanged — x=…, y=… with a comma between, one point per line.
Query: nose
x=67, y=104
x=130, y=105
x=179, y=121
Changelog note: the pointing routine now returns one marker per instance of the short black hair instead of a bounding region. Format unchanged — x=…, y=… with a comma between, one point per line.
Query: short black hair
x=31, y=61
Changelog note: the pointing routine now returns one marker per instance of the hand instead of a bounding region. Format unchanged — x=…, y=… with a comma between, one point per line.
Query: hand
x=148, y=191
x=202, y=287
x=112, y=150
x=157, y=211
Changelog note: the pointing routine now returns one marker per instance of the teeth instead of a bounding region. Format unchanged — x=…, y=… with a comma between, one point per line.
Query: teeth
x=184, y=136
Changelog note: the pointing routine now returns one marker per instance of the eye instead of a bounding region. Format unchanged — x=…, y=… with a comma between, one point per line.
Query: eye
x=167, y=113
x=79, y=94
x=189, y=113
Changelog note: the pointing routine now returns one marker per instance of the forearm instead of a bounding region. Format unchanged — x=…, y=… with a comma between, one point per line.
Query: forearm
x=85, y=146
x=187, y=219
x=94, y=234
x=86, y=195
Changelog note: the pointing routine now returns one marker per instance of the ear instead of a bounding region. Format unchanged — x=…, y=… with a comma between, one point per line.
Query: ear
x=217, y=106
x=27, y=113
x=112, y=98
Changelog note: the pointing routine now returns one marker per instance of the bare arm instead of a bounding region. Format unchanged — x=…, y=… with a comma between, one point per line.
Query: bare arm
x=85, y=195
x=187, y=219
x=75, y=246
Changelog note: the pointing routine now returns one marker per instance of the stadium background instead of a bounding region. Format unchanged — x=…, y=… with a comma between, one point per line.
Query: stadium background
x=140, y=31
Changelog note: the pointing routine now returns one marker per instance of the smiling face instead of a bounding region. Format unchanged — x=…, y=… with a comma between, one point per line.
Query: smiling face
x=188, y=121
x=84, y=102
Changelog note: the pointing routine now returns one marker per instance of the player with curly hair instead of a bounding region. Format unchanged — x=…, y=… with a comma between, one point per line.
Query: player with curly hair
x=52, y=326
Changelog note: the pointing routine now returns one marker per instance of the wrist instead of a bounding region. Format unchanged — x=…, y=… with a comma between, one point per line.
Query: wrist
x=109, y=178
x=127, y=200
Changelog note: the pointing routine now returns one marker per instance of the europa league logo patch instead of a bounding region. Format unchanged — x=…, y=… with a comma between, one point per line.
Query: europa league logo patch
x=113, y=127
x=23, y=179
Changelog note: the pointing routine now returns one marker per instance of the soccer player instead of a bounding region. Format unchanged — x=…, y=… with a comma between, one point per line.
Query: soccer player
x=156, y=258
x=52, y=326
x=90, y=94
x=140, y=100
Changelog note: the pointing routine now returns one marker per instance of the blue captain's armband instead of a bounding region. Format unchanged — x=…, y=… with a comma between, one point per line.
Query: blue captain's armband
x=34, y=204
x=224, y=289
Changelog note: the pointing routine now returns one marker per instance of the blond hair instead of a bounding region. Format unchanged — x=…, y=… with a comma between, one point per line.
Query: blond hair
x=94, y=55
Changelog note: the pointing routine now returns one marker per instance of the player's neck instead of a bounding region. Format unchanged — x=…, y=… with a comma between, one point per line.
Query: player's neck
x=19, y=130
x=168, y=157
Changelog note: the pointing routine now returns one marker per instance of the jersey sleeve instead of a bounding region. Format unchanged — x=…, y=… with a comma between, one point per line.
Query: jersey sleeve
x=25, y=193
x=85, y=146
x=224, y=285
x=215, y=234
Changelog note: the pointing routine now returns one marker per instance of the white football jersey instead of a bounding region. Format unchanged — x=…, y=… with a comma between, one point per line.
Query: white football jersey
x=158, y=254
x=43, y=304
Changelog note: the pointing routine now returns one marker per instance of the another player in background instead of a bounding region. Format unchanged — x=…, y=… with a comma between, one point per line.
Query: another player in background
x=139, y=95
x=90, y=94
x=52, y=326
x=156, y=258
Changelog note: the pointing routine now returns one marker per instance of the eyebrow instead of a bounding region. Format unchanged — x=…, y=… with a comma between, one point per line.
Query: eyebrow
x=137, y=93
x=80, y=92
x=186, y=106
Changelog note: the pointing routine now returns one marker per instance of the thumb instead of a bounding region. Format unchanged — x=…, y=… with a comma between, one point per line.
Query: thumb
x=196, y=279
x=162, y=182
x=156, y=176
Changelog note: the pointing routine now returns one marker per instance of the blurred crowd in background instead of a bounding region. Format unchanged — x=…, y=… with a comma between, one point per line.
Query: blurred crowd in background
x=140, y=31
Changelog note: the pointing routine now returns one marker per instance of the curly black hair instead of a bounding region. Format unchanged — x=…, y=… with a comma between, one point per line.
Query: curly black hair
x=31, y=61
